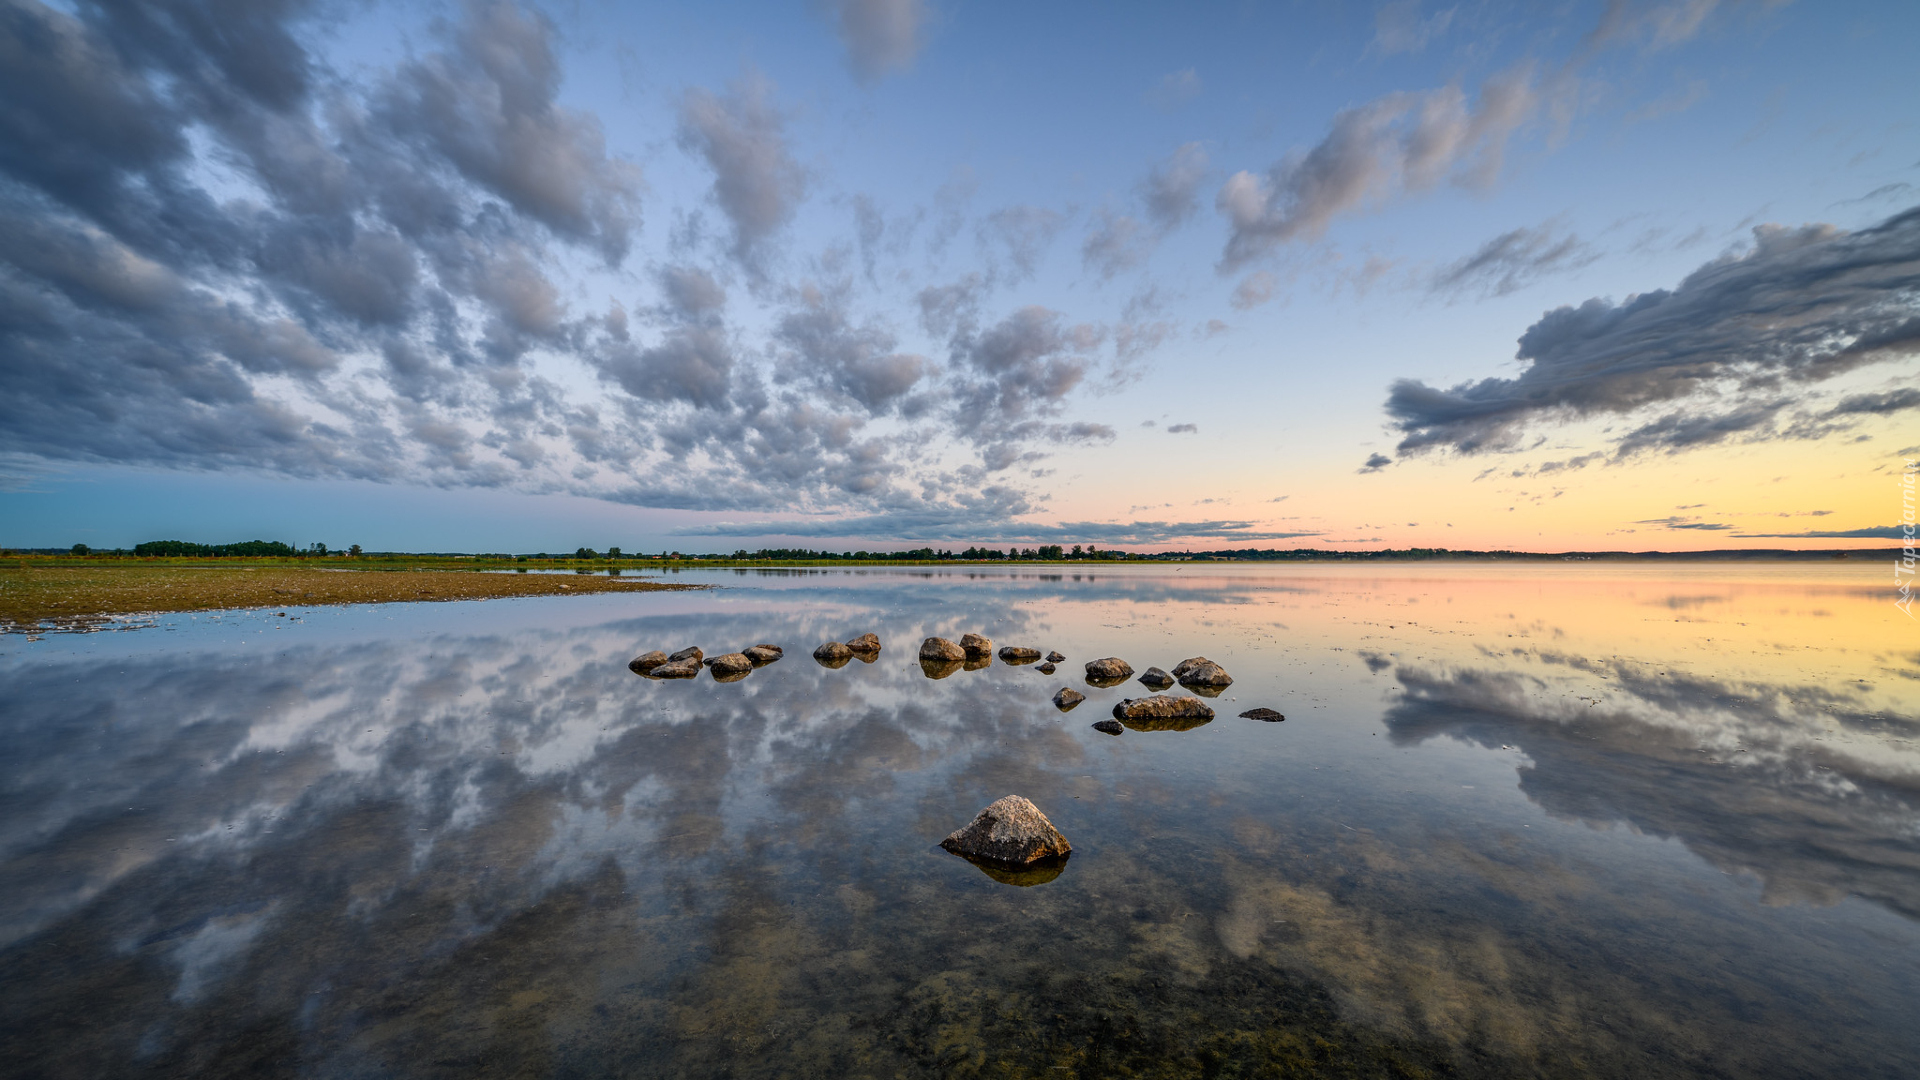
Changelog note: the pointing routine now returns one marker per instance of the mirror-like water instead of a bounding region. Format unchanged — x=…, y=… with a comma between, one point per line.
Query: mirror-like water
x=1519, y=820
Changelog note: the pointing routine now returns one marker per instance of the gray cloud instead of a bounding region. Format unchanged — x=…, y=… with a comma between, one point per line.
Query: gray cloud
x=978, y=524
x=1892, y=401
x=1172, y=189
x=742, y=138
x=1875, y=532
x=1183, y=429
x=1254, y=289
x=1375, y=462
x=881, y=36
x=1169, y=196
x=1802, y=305
x=1399, y=28
x=1020, y=234
x=1512, y=261
x=860, y=362
x=1401, y=142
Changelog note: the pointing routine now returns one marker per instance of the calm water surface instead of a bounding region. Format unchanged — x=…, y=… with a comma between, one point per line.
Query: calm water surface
x=1519, y=821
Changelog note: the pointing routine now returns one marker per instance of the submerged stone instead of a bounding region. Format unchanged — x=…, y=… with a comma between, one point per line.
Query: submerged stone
x=1268, y=715
x=1111, y=727
x=976, y=646
x=1067, y=697
x=646, y=662
x=939, y=648
x=763, y=654
x=1156, y=679
x=1014, y=654
x=1012, y=830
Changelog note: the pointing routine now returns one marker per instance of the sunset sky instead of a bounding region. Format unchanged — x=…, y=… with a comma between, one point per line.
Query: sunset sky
x=886, y=273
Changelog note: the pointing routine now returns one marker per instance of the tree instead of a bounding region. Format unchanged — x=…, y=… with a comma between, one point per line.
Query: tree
x=613, y=553
x=584, y=553
x=354, y=551
x=81, y=549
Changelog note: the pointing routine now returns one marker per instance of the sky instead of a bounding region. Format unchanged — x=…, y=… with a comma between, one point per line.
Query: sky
x=843, y=274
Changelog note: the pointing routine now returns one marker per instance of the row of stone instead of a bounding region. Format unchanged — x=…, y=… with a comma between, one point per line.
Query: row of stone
x=685, y=664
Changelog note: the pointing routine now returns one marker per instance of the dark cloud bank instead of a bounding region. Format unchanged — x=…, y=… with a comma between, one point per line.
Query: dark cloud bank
x=216, y=252
x=1735, y=350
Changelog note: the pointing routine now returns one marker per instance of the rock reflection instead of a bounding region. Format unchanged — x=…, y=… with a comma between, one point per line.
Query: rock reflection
x=940, y=669
x=1026, y=876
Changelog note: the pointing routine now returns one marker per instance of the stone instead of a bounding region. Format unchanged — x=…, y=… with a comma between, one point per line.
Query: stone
x=1156, y=679
x=677, y=669
x=763, y=654
x=691, y=652
x=833, y=652
x=1014, y=654
x=1012, y=830
x=865, y=643
x=1067, y=698
x=1204, y=673
x=732, y=663
x=976, y=646
x=1054, y=657
x=939, y=669
x=1111, y=727
x=1111, y=671
x=646, y=662
x=1268, y=715
x=939, y=648
x=1163, y=713
x=1046, y=668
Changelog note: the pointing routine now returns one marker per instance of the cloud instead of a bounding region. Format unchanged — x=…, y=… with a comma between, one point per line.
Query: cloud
x=1885, y=404
x=1876, y=532
x=1399, y=28
x=1169, y=196
x=1183, y=429
x=1659, y=25
x=1801, y=305
x=1254, y=289
x=1022, y=235
x=1117, y=243
x=1172, y=189
x=977, y=524
x=881, y=36
x=1174, y=89
x=1512, y=261
x=742, y=138
x=1376, y=462
x=1687, y=523
x=1404, y=142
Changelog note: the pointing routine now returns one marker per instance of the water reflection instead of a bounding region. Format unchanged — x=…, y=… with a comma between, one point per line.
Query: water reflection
x=453, y=852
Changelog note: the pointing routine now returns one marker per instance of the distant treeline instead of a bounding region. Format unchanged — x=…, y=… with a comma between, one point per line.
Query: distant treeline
x=244, y=549
x=927, y=554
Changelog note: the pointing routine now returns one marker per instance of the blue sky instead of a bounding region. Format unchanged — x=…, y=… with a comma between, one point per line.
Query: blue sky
x=495, y=276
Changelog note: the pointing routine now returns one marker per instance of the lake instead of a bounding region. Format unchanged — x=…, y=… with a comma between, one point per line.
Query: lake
x=1520, y=820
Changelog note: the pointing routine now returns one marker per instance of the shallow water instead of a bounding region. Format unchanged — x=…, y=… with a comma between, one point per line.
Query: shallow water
x=1519, y=821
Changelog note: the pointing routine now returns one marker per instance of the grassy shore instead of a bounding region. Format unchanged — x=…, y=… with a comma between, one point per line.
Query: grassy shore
x=43, y=594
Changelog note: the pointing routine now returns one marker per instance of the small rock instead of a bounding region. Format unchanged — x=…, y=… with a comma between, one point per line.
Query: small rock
x=939, y=648
x=732, y=663
x=1067, y=698
x=646, y=662
x=677, y=669
x=1268, y=715
x=1108, y=672
x=1012, y=830
x=1200, y=671
x=1111, y=727
x=976, y=646
x=1054, y=657
x=763, y=654
x=1014, y=654
x=1046, y=668
x=691, y=652
x=832, y=652
x=939, y=669
x=1156, y=679
x=865, y=643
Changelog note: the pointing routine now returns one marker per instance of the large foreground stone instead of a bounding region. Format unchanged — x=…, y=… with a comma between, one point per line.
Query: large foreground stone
x=1014, y=654
x=646, y=662
x=1163, y=713
x=833, y=652
x=1012, y=830
x=732, y=663
x=763, y=654
x=865, y=643
x=939, y=648
x=976, y=646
